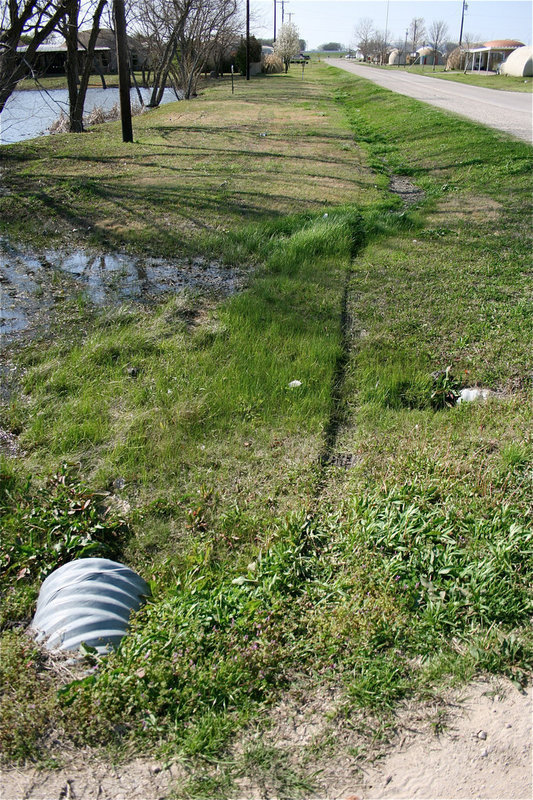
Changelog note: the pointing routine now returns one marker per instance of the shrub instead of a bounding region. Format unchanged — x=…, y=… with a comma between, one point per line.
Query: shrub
x=273, y=63
x=240, y=56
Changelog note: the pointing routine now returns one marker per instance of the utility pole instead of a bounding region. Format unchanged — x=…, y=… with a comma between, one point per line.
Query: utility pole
x=465, y=8
x=247, y=40
x=405, y=53
x=282, y=4
x=384, y=55
x=123, y=70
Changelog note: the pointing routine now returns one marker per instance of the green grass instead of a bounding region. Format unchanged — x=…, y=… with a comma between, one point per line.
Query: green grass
x=506, y=83
x=271, y=566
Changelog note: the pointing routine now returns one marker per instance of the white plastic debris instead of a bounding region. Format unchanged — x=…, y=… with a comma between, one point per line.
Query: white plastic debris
x=87, y=601
x=469, y=395
x=294, y=384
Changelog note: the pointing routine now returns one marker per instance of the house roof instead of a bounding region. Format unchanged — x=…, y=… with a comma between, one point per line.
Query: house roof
x=56, y=48
x=504, y=44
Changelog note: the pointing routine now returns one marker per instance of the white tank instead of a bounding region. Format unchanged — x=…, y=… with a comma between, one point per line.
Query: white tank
x=88, y=600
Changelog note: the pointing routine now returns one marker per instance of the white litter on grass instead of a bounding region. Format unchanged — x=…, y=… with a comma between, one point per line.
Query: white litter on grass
x=87, y=601
x=294, y=384
x=469, y=395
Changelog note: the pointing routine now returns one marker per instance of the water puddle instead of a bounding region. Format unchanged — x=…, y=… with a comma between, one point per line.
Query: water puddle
x=32, y=285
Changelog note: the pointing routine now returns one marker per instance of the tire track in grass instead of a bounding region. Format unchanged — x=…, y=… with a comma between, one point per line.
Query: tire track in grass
x=338, y=408
x=338, y=415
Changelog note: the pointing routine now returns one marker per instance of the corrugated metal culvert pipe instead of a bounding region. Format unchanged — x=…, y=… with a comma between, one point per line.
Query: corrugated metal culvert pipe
x=89, y=600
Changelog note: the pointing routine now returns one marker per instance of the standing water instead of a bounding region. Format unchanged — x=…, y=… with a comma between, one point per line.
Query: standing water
x=30, y=114
x=33, y=284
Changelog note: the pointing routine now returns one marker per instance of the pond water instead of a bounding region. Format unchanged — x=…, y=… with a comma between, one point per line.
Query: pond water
x=30, y=114
x=31, y=285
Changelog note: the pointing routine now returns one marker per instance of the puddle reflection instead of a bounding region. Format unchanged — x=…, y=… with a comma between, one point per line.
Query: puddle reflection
x=31, y=285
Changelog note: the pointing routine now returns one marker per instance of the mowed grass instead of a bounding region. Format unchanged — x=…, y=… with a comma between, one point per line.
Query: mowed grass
x=271, y=565
x=193, y=170
x=506, y=83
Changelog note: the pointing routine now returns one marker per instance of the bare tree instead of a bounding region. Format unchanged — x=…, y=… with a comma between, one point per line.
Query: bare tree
x=160, y=23
x=180, y=36
x=33, y=19
x=417, y=32
x=364, y=35
x=470, y=40
x=287, y=45
x=79, y=71
x=379, y=47
x=210, y=24
x=438, y=31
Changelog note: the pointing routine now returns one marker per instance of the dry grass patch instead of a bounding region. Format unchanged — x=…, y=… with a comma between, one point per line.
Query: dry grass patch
x=465, y=207
x=276, y=147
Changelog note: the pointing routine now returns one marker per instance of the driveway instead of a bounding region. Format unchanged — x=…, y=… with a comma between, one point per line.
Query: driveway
x=511, y=112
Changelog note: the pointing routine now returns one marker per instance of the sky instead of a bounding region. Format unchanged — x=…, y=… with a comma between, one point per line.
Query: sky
x=322, y=21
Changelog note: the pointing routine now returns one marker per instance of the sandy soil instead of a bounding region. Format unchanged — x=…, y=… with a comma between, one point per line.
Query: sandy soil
x=483, y=752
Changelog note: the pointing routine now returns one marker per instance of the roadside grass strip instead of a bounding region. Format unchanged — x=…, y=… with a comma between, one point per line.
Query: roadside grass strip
x=398, y=564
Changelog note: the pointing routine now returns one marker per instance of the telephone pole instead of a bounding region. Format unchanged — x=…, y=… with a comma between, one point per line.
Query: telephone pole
x=123, y=70
x=247, y=40
x=465, y=8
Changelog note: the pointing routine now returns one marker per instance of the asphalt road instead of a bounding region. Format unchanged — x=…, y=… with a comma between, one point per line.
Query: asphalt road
x=511, y=112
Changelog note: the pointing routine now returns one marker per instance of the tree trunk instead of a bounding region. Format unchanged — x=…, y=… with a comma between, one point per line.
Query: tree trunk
x=160, y=76
x=71, y=38
x=77, y=87
x=136, y=85
x=89, y=57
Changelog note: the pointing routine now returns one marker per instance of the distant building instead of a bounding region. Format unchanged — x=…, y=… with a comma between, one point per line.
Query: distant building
x=490, y=56
x=396, y=57
x=50, y=59
x=427, y=56
x=519, y=64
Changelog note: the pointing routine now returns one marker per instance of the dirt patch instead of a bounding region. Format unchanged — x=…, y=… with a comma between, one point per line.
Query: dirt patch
x=484, y=751
x=88, y=778
x=403, y=187
x=476, y=743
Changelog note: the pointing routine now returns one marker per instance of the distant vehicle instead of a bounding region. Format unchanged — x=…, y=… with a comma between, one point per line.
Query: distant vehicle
x=300, y=58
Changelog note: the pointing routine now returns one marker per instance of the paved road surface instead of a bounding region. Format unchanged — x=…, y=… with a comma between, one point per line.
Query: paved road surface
x=511, y=112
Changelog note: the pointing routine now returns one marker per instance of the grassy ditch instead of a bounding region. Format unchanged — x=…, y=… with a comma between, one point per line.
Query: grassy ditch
x=271, y=563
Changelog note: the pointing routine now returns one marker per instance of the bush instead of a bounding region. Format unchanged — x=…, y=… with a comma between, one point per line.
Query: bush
x=255, y=54
x=273, y=63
